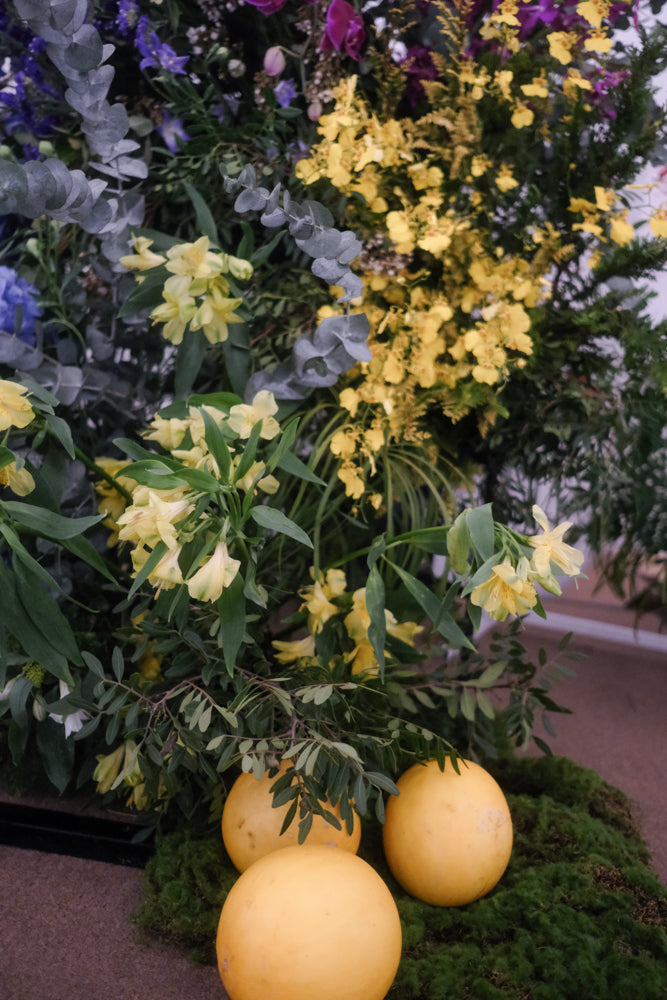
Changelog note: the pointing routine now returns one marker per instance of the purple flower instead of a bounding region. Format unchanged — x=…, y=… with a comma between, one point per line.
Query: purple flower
x=268, y=6
x=285, y=92
x=127, y=17
x=156, y=54
x=18, y=294
x=345, y=29
x=418, y=65
x=171, y=129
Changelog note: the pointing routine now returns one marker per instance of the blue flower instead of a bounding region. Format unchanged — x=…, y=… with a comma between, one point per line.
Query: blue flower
x=156, y=54
x=171, y=129
x=17, y=293
x=127, y=17
x=285, y=92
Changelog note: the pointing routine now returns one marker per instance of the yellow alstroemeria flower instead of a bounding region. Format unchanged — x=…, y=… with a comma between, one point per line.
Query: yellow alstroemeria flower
x=154, y=520
x=298, y=649
x=108, y=768
x=15, y=410
x=215, y=314
x=507, y=591
x=166, y=575
x=218, y=572
x=244, y=416
x=550, y=547
x=194, y=260
x=144, y=259
x=320, y=608
x=19, y=481
x=177, y=309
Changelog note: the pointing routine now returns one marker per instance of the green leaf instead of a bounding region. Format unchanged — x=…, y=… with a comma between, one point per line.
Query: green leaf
x=6, y=456
x=48, y=523
x=468, y=705
x=458, y=545
x=435, y=610
x=82, y=549
x=146, y=295
x=479, y=521
x=491, y=674
x=189, y=359
x=216, y=444
x=375, y=604
x=117, y=663
x=275, y=520
x=232, y=614
x=41, y=608
x=56, y=751
x=293, y=466
x=249, y=452
x=236, y=351
x=61, y=430
x=261, y=255
x=19, y=624
x=205, y=221
x=158, y=552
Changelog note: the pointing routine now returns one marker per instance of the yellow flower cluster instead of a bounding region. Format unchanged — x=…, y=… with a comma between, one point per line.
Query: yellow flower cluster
x=174, y=517
x=510, y=589
x=319, y=600
x=443, y=337
x=197, y=292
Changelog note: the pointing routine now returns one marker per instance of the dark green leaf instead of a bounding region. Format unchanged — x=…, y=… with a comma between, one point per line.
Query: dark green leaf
x=375, y=604
x=48, y=523
x=232, y=613
x=205, y=221
x=275, y=520
x=56, y=751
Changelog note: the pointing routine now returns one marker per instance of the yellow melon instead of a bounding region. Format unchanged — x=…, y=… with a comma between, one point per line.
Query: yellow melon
x=309, y=923
x=447, y=837
x=251, y=825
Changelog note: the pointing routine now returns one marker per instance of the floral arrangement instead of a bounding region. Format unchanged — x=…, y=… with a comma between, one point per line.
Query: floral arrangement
x=299, y=305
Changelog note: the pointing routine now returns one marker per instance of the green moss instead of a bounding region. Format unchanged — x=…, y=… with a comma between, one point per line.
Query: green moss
x=577, y=914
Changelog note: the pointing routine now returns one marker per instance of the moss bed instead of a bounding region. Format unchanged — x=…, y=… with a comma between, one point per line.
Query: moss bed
x=578, y=913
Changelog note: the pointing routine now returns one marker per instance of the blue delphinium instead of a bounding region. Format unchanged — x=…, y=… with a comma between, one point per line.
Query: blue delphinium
x=17, y=293
x=156, y=54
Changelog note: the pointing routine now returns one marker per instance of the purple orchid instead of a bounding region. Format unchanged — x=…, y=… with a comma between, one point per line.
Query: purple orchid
x=344, y=30
x=268, y=6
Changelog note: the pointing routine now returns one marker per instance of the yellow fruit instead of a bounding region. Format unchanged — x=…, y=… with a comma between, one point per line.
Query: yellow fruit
x=251, y=826
x=309, y=923
x=447, y=837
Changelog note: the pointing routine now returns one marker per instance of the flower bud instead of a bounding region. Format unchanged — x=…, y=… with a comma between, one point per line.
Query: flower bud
x=241, y=269
x=39, y=708
x=314, y=110
x=274, y=61
x=235, y=67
